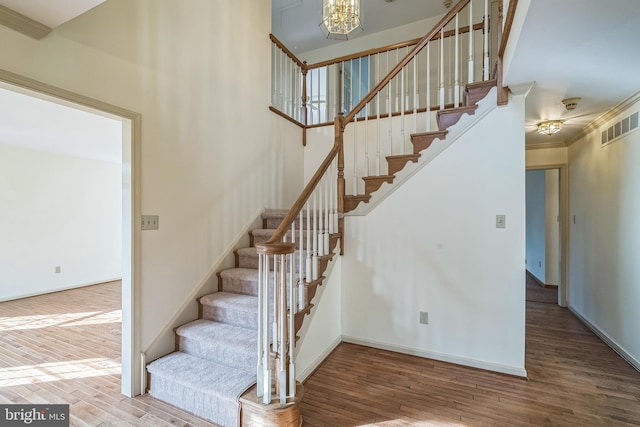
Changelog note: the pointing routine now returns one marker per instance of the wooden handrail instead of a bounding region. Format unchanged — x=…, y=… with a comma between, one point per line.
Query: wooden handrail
x=394, y=72
x=290, y=54
x=302, y=199
x=287, y=117
x=508, y=23
x=375, y=51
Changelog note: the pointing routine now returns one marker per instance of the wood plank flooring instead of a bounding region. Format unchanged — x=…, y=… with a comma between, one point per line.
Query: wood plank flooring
x=574, y=380
x=65, y=348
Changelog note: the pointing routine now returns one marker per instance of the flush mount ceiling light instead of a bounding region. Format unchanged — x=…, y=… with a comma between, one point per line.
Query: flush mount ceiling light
x=340, y=18
x=549, y=127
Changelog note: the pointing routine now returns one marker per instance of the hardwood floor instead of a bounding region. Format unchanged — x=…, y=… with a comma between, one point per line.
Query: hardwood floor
x=574, y=380
x=65, y=348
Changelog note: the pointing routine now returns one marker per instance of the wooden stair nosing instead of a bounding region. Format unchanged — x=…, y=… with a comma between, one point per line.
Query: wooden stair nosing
x=352, y=202
x=373, y=183
x=451, y=116
x=397, y=163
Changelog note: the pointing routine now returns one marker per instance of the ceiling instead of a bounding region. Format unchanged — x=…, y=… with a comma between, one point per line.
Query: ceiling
x=296, y=22
x=51, y=13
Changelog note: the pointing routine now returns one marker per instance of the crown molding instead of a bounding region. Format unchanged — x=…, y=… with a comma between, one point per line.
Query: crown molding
x=22, y=24
x=542, y=145
x=609, y=115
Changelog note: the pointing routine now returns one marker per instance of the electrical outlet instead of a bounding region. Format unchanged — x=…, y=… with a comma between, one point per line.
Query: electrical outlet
x=424, y=317
x=150, y=222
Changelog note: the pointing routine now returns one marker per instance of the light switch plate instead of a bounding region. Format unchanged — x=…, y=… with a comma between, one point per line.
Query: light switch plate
x=424, y=317
x=150, y=222
x=501, y=221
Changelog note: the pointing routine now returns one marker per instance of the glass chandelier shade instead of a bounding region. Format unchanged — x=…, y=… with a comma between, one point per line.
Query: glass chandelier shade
x=549, y=127
x=340, y=18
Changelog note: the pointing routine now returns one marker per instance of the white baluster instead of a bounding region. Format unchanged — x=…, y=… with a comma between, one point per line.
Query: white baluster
x=334, y=197
x=416, y=98
x=274, y=324
x=320, y=219
x=366, y=117
x=486, y=40
x=355, y=155
x=470, y=79
x=300, y=267
x=282, y=327
x=378, y=159
x=266, y=341
x=402, y=107
x=308, y=269
x=390, y=125
x=260, y=367
x=327, y=227
x=292, y=329
x=428, y=105
x=441, y=68
x=314, y=251
x=456, y=79
x=343, y=89
x=318, y=96
x=274, y=77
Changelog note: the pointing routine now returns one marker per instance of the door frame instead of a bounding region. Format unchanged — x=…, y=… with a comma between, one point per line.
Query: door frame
x=563, y=286
x=132, y=370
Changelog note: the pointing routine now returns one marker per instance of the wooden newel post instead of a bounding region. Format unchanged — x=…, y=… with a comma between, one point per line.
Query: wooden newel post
x=304, y=102
x=339, y=138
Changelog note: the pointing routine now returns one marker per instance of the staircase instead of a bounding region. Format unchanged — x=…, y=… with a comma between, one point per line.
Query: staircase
x=215, y=358
x=246, y=331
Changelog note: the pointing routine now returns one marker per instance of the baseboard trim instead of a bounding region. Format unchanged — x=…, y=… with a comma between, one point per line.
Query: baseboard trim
x=540, y=282
x=607, y=340
x=304, y=375
x=61, y=289
x=473, y=363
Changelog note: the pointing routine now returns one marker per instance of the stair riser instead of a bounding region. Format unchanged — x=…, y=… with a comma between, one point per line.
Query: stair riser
x=216, y=353
x=231, y=316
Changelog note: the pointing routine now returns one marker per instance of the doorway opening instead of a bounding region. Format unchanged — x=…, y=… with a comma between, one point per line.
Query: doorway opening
x=128, y=169
x=546, y=228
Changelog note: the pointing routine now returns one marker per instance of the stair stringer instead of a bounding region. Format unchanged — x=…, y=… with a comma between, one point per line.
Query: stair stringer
x=485, y=106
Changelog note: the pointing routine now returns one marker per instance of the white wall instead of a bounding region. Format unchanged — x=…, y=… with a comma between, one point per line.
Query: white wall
x=604, y=188
x=58, y=210
x=535, y=223
x=552, y=227
x=196, y=74
x=432, y=246
x=383, y=38
x=538, y=158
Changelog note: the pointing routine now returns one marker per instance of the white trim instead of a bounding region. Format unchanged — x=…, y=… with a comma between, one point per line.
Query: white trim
x=64, y=288
x=131, y=155
x=543, y=145
x=607, y=340
x=22, y=24
x=609, y=115
x=304, y=375
x=208, y=284
x=504, y=369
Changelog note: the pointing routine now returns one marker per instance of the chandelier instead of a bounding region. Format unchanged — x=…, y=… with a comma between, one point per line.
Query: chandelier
x=549, y=127
x=340, y=18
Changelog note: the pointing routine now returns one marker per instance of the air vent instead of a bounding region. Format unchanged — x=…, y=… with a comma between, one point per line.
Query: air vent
x=620, y=128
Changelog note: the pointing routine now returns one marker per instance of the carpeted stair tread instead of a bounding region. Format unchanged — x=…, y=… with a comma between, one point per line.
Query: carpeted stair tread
x=231, y=308
x=200, y=386
x=220, y=342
